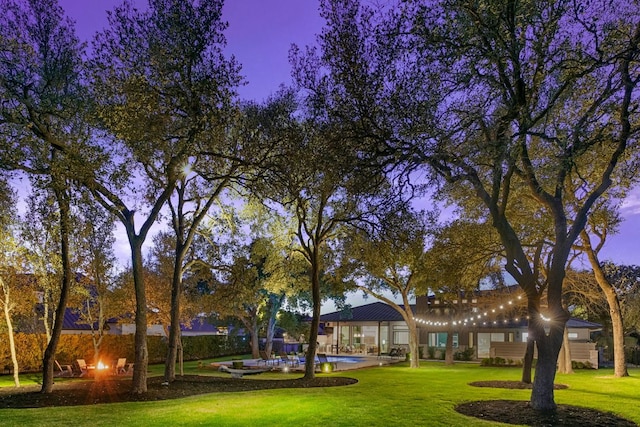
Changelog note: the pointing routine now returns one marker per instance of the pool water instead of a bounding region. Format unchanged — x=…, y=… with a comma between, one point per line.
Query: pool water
x=341, y=359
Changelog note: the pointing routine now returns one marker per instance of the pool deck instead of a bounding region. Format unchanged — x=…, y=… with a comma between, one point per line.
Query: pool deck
x=363, y=362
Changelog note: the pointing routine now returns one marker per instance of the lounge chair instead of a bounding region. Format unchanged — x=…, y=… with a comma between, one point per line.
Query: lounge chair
x=322, y=358
x=83, y=367
x=238, y=373
x=264, y=358
x=121, y=366
x=397, y=353
x=62, y=370
x=288, y=360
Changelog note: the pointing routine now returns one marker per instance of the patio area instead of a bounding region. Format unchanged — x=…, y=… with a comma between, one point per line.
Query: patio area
x=340, y=362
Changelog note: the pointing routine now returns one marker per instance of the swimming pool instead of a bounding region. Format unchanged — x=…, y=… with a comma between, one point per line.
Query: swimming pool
x=345, y=359
x=341, y=359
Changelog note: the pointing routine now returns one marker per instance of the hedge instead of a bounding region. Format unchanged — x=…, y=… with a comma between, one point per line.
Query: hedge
x=30, y=349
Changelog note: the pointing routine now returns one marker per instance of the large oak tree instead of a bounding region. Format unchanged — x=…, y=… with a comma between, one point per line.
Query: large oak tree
x=487, y=96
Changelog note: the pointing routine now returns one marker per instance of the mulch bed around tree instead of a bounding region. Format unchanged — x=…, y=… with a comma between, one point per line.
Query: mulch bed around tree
x=119, y=390
x=511, y=385
x=520, y=412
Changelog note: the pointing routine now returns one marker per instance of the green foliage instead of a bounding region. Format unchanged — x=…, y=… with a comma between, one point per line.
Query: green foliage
x=499, y=361
x=431, y=351
x=30, y=349
x=465, y=355
x=448, y=386
x=576, y=364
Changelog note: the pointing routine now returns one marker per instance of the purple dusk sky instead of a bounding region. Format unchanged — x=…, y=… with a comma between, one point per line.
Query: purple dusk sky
x=260, y=34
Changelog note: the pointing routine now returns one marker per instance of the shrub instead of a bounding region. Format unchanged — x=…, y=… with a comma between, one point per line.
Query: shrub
x=432, y=352
x=487, y=361
x=466, y=354
x=30, y=349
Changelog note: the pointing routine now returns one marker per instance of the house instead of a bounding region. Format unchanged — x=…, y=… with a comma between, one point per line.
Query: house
x=491, y=332
x=74, y=325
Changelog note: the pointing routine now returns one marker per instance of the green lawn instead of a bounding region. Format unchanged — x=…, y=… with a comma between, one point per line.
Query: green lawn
x=394, y=395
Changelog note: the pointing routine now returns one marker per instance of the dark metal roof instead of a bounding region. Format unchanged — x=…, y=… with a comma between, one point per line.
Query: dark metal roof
x=374, y=312
x=382, y=312
x=579, y=323
x=72, y=321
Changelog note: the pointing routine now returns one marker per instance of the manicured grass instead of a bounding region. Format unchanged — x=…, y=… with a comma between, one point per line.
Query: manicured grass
x=384, y=396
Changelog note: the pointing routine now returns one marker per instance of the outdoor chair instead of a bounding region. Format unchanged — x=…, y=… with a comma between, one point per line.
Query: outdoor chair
x=396, y=353
x=129, y=369
x=121, y=366
x=83, y=367
x=264, y=358
x=291, y=361
x=63, y=370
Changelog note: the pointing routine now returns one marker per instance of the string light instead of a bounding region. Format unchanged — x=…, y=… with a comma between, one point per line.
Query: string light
x=466, y=320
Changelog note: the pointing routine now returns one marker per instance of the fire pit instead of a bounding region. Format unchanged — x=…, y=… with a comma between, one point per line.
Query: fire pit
x=99, y=371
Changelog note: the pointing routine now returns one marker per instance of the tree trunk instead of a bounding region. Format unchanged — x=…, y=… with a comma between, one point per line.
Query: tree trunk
x=448, y=352
x=255, y=342
x=181, y=355
x=619, y=361
x=270, y=332
x=414, y=350
x=67, y=276
x=310, y=357
x=542, y=395
x=533, y=311
x=527, y=364
x=141, y=361
x=564, y=358
x=174, y=331
x=12, y=344
x=617, y=324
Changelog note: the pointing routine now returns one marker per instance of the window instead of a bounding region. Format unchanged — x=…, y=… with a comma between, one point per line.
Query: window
x=573, y=335
x=439, y=339
x=497, y=336
x=400, y=335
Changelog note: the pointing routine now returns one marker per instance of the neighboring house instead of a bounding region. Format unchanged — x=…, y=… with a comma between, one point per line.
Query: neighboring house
x=74, y=325
x=377, y=327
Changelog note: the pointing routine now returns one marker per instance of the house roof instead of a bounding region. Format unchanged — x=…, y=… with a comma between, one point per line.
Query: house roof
x=382, y=312
x=579, y=323
x=374, y=312
x=72, y=321
x=199, y=326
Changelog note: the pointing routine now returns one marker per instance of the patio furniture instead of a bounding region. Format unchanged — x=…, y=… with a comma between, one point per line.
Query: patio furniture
x=62, y=370
x=238, y=373
x=121, y=366
x=291, y=361
x=396, y=353
x=83, y=367
x=264, y=358
x=129, y=369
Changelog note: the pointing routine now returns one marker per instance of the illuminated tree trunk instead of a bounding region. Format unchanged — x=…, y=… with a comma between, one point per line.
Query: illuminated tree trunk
x=564, y=358
x=309, y=367
x=617, y=324
x=12, y=344
x=62, y=198
x=141, y=352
